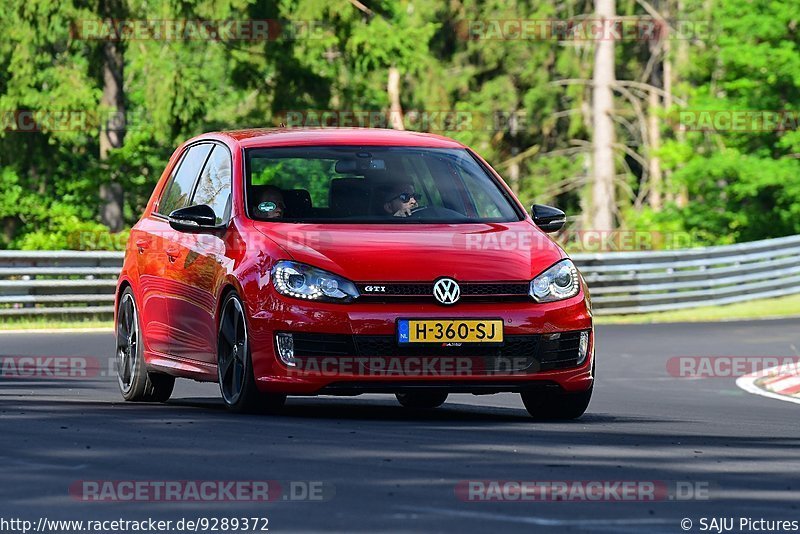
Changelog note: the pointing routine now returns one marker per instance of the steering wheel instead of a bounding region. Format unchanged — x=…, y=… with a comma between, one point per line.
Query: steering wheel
x=417, y=209
x=439, y=213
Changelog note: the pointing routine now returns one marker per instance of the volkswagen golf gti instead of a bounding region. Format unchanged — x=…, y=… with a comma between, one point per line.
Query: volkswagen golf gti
x=347, y=261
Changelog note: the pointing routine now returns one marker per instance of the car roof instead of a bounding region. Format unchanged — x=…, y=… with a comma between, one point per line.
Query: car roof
x=274, y=137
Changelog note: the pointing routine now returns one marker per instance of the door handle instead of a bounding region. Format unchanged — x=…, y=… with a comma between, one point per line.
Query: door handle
x=142, y=244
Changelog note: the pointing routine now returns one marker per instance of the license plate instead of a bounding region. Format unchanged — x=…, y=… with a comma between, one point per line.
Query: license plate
x=449, y=331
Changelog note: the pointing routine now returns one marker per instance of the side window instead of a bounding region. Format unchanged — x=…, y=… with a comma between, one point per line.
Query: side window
x=214, y=186
x=177, y=192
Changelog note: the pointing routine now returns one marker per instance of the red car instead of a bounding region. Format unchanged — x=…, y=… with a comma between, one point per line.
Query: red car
x=349, y=261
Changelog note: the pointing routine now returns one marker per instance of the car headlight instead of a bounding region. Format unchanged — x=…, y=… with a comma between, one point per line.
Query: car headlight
x=559, y=282
x=302, y=281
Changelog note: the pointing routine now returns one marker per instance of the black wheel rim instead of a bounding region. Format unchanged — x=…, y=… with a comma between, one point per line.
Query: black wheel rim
x=232, y=353
x=127, y=342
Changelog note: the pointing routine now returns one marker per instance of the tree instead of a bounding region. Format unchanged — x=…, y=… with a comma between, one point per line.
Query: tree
x=581, y=123
x=603, y=202
x=112, y=131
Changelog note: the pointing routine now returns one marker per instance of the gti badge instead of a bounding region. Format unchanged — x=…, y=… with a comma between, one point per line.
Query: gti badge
x=375, y=289
x=446, y=291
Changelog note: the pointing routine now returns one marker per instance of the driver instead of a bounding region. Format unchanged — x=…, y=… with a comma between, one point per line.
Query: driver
x=400, y=200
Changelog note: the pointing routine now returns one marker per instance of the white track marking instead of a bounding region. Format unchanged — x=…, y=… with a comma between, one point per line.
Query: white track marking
x=748, y=383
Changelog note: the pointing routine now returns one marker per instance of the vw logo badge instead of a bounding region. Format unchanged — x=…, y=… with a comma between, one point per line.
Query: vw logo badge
x=446, y=291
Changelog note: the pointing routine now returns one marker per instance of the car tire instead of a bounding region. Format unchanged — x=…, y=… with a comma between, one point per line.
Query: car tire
x=547, y=405
x=421, y=400
x=237, y=383
x=135, y=382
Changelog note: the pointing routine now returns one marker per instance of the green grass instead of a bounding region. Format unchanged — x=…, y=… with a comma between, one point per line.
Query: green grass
x=55, y=323
x=755, y=309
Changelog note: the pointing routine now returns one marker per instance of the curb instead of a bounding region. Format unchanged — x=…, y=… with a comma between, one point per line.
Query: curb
x=775, y=383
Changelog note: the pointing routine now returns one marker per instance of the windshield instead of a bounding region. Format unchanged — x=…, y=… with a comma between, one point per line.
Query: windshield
x=372, y=185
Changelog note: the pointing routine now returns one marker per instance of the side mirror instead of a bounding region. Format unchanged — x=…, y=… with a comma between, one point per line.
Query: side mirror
x=548, y=218
x=193, y=219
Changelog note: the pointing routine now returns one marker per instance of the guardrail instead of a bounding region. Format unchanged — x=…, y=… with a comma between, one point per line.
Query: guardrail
x=641, y=282
x=80, y=283
x=58, y=282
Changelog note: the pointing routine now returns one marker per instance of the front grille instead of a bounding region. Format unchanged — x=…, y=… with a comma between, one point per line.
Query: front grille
x=519, y=353
x=501, y=289
x=405, y=291
x=320, y=345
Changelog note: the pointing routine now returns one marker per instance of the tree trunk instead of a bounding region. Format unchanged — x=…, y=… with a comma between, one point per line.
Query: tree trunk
x=603, y=197
x=653, y=163
x=682, y=199
x=112, y=197
x=393, y=89
x=667, y=75
x=513, y=172
x=112, y=132
x=9, y=229
x=513, y=169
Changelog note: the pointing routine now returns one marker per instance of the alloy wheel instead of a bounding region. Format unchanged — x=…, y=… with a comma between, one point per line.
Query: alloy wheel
x=233, y=347
x=127, y=343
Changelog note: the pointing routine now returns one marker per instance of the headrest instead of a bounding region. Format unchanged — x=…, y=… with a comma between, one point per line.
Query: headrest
x=349, y=197
x=298, y=203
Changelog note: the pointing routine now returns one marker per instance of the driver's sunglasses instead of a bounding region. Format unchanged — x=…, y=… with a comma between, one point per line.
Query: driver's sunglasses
x=406, y=197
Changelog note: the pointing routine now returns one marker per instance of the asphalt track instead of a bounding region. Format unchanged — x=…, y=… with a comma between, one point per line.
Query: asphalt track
x=396, y=471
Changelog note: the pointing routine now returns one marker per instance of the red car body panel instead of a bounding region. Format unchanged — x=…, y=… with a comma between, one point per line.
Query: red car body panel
x=179, y=279
x=467, y=252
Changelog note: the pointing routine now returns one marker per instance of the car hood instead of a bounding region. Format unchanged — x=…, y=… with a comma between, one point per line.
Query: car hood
x=419, y=252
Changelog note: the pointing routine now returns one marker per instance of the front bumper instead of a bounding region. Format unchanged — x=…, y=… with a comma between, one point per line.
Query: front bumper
x=370, y=362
